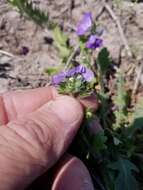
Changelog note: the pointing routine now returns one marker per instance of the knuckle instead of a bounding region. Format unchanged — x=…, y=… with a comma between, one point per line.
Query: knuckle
x=35, y=131
x=36, y=138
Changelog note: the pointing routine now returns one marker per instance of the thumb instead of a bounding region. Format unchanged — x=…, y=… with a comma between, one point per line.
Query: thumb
x=33, y=143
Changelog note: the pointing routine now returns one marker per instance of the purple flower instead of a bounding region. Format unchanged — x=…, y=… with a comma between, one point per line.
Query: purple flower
x=94, y=42
x=57, y=79
x=76, y=70
x=86, y=73
x=85, y=24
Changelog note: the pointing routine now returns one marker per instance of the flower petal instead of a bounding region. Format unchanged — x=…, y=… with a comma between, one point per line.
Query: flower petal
x=85, y=24
x=76, y=70
x=80, y=69
x=94, y=42
x=88, y=75
x=71, y=72
x=57, y=79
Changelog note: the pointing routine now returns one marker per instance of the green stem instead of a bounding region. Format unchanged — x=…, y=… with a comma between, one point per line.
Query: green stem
x=71, y=57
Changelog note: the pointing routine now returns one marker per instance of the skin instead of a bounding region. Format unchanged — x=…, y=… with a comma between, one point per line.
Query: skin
x=36, y=128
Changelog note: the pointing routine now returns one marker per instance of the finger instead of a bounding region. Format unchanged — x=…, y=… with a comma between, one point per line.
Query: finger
x=72, y=175
x=31, y=144
x=17, y=103
x=90, y=102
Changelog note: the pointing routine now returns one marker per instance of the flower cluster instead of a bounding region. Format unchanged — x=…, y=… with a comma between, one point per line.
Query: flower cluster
x=86, y=74
x=85, y=28
x=85, y=25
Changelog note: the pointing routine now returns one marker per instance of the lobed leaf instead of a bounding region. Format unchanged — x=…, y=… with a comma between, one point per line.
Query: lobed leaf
x=125, y=179
x=120, y=101
x=98, y=141
x=26, y=7
x=60, y=40
x=137, y=122
x=104, y=60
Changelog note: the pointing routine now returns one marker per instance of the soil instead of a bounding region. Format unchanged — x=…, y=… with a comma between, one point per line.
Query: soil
x=23, y=69
x=26, y=49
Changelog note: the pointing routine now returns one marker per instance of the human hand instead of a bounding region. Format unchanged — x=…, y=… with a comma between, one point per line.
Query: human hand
x=36, y=128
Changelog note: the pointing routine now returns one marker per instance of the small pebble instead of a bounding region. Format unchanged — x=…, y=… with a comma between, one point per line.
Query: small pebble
x=48, y=40
x=24, y=50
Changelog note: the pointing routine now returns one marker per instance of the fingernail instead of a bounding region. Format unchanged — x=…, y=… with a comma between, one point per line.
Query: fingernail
x=75, y=173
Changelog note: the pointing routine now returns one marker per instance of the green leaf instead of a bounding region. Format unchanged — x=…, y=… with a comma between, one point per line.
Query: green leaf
x=139, y=109
x=60, y=40
x=104, y=60
x=52, y=70
x=103, y=109
x=116, y=141
x=125, y=179
x=109, y=178
x=60, y=37
x=137, y=122
x=26, y=7
x=64, y=52
x=120, y=101
x=98, y=142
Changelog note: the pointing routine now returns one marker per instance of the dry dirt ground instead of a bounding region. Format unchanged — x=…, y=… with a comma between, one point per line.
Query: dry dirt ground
x=18, y=71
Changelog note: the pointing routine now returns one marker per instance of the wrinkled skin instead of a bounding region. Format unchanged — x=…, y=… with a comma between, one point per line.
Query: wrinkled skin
x=36, y=128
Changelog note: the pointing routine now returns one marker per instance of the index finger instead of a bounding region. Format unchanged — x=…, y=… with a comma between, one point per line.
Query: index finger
x=18, y=103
